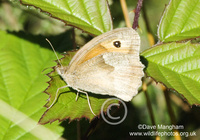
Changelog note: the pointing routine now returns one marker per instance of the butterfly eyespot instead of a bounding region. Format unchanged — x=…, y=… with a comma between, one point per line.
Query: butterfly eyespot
x=117, y=44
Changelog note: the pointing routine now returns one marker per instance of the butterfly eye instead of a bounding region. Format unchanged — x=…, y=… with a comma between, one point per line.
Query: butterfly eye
x=117, y=44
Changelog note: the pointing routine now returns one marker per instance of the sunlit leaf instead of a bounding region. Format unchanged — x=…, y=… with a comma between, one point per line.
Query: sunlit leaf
x=92, y=16
x=177, y=65
x=181, y=20
x=22, y=83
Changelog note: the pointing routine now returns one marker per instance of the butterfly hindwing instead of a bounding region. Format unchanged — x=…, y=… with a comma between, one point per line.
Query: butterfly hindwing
x=120, y=78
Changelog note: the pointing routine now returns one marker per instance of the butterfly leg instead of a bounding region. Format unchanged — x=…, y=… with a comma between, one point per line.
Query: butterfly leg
x=77, y=95
x=56, y=97
x=87, y=100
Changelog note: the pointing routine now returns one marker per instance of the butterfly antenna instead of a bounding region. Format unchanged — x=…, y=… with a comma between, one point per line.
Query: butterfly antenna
x=54, y=52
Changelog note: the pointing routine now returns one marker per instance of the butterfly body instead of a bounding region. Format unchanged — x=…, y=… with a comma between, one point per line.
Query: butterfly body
x=109, y=65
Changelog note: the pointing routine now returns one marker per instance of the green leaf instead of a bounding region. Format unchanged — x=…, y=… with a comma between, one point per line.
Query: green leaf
x=22, y=83
x=92, y=16
x=66, y=107
x=176, y=65
x=181, y=20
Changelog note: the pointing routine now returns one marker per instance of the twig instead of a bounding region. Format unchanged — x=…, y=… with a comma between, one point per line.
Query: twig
x=137, y=14
x=144, y=87
x=74, y=39
x=78, y=130
x=171, y=113
x=125, y=12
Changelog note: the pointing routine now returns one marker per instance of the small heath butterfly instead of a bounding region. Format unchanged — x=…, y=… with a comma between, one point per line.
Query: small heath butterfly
x=108, y=65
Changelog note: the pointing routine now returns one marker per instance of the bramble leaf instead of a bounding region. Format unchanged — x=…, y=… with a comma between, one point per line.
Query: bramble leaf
x=176, y=65
x=66, y=107
x=180, y=21
x=21, y=88
x=92, y=16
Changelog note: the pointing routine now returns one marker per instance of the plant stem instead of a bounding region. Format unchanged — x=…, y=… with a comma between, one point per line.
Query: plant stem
x=78, y=130
x=170, y=111
x=144, y=87
x=125, y=12
x=137, y=14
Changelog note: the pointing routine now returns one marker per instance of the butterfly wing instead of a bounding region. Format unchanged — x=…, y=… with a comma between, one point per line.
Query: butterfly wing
x=112, y=74
x=104, y=43
x=103, y=68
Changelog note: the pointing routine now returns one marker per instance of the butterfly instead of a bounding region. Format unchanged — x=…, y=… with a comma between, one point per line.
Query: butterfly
x=109, y=64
